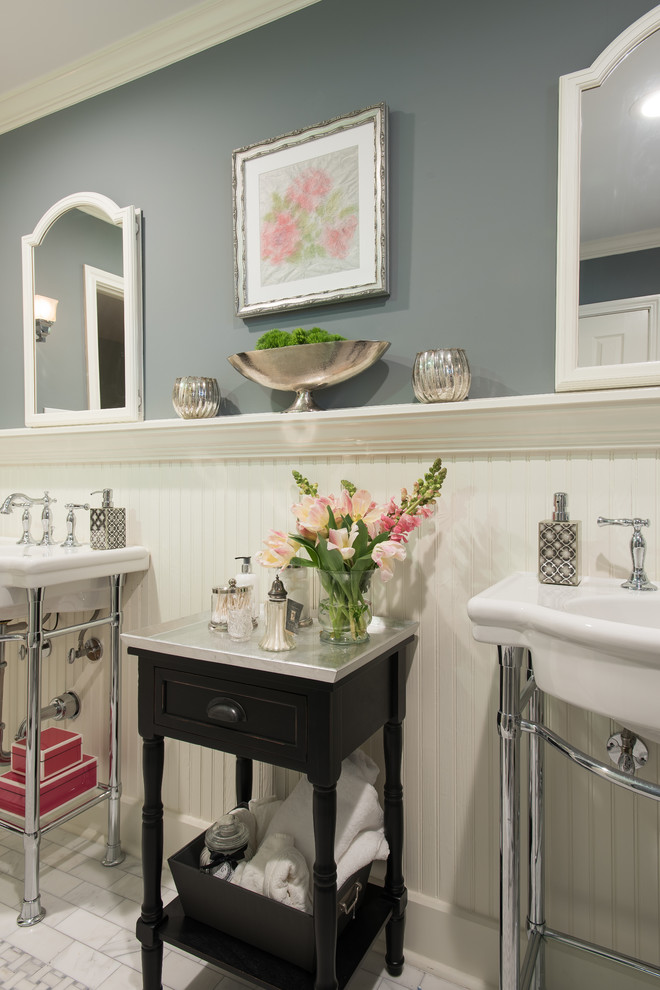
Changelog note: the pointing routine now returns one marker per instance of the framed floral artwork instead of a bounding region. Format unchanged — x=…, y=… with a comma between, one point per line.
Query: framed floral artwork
x=310, y=215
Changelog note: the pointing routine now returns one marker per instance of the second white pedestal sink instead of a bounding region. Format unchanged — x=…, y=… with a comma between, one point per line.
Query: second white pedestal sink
x=596, y=645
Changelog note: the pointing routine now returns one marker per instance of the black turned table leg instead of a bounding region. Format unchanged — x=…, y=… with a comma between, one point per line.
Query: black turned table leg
x=243, y=781
x=152, y=862
x=393, y=809
x=324, y=807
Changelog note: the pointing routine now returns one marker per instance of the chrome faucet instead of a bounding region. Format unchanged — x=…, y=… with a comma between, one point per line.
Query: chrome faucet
x=638, y=580
x=19, y=500
x=25, y=502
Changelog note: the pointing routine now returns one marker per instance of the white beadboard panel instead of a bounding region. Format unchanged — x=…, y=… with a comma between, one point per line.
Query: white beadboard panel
x=196, y=513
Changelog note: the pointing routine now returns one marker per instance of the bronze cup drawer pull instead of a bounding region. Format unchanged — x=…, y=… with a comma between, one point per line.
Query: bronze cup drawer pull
x=225, y=710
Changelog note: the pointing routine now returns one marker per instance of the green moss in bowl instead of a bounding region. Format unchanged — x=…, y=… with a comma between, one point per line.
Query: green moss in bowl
x=284, y=338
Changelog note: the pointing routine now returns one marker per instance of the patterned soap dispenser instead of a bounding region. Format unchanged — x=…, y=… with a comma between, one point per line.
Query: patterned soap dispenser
x=107, y=525
x=559, y=546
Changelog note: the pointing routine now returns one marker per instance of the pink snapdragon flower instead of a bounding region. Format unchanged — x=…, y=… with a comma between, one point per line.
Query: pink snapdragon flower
x=309, y=188
x=401, y=524
x=280, y=549
x=311, y=515
x=384, y=554
x=279, y=238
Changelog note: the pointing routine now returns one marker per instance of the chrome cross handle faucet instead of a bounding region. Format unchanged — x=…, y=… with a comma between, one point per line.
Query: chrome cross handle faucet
x=638, y=580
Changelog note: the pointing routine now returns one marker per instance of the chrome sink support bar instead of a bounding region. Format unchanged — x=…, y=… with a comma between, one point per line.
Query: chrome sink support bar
x=32, y=912
x=113, y=853
x=513, y=700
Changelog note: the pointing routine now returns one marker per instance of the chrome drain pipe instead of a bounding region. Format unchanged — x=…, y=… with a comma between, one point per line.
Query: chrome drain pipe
x=66, y=705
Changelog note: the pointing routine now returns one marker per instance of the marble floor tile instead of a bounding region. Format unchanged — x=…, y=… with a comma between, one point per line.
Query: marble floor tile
x=39, y=941
x=89, y=928
x=93, y=898
x=85, y=964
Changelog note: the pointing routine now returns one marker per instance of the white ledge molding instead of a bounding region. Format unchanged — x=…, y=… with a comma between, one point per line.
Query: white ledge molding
x=628, y=419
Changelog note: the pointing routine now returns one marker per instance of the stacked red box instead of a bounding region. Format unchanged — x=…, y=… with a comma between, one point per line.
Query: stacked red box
x=60, y=749
x=55, y=791
x=65, y=773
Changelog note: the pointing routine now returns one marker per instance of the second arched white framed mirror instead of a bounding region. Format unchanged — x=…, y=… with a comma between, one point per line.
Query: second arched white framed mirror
x=82, y=314
x=608, y=217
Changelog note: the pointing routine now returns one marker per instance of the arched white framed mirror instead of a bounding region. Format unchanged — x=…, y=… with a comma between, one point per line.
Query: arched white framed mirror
x=82, y=314
x=608, y=217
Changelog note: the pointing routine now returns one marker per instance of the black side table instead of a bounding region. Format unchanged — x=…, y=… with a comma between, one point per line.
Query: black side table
x=306, y=710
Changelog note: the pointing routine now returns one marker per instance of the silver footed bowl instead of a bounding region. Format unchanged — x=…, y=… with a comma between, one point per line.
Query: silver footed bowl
x=301, y=368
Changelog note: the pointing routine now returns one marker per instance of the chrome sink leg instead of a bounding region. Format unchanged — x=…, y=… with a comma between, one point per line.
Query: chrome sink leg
x=5, y=756
x=113, y=854
x=32, y=911
x=508, y=724
x=536, y=910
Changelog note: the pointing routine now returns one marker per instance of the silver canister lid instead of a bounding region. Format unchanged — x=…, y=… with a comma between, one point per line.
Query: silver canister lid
x=228, y=834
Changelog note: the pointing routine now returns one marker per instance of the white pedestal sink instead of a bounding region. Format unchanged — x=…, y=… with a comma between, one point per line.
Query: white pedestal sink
x=74, y=578
x=596, y=645
x=34, y=580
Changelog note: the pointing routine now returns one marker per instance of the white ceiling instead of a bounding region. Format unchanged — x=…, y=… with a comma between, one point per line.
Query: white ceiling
x=41, y=36
x=54, y=53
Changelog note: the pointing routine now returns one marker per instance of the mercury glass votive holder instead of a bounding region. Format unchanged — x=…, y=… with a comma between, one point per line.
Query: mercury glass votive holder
x=441, y=375
x=194, y=397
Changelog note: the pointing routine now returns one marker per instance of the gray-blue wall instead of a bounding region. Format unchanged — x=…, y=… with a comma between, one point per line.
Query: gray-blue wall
x=472, y=93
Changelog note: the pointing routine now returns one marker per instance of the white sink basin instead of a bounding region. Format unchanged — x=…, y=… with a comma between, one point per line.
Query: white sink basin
x=596, y=646
x=75, y=578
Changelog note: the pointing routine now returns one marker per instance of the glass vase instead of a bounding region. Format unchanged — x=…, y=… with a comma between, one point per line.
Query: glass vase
x=345, y=606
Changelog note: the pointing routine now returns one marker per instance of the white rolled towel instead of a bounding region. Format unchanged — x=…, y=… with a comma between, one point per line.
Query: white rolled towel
x=286, y=879
x=253, y=875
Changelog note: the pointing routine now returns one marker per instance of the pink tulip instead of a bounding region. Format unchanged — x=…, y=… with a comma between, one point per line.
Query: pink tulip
x=384, y=555
x=280, y=550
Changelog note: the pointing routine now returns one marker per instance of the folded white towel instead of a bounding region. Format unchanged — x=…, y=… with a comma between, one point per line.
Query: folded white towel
x=365, y=848
x=253, y=876
x=263, y=810
x=358, y=809
x=250, y=822
x=286, y=879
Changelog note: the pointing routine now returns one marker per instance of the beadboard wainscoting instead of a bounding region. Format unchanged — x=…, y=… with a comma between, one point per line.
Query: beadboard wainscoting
x=200, y=494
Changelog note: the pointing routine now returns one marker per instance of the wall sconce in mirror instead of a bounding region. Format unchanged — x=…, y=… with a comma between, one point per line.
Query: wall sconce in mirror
x=45, y=314
x=608, y=217
x=85, y=256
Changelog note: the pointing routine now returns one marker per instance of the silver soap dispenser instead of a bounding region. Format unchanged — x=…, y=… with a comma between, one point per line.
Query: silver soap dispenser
x=107, y=525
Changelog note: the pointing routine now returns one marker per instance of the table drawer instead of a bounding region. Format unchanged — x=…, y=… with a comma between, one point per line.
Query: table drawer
x=229, y=714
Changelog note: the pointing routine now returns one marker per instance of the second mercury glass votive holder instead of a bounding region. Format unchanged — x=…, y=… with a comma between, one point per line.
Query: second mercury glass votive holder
x=196, y=398
x=441, y=375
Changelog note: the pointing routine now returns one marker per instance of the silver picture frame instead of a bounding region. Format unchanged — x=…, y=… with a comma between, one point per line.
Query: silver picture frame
x=311, y=215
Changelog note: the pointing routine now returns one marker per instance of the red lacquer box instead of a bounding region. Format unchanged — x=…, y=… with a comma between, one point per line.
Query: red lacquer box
x=60, y=749
x=55, y=791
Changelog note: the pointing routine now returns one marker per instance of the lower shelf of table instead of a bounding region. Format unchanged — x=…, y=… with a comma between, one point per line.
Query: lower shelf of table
x=248, y=962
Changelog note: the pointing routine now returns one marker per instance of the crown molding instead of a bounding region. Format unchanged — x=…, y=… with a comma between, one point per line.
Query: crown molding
x=169, y=41
x=622, y=420
x=641, y=240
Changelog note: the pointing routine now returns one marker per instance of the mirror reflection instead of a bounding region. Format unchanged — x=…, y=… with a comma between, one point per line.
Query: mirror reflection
x=620, y=212
x=608, y=289
x=82, y=313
